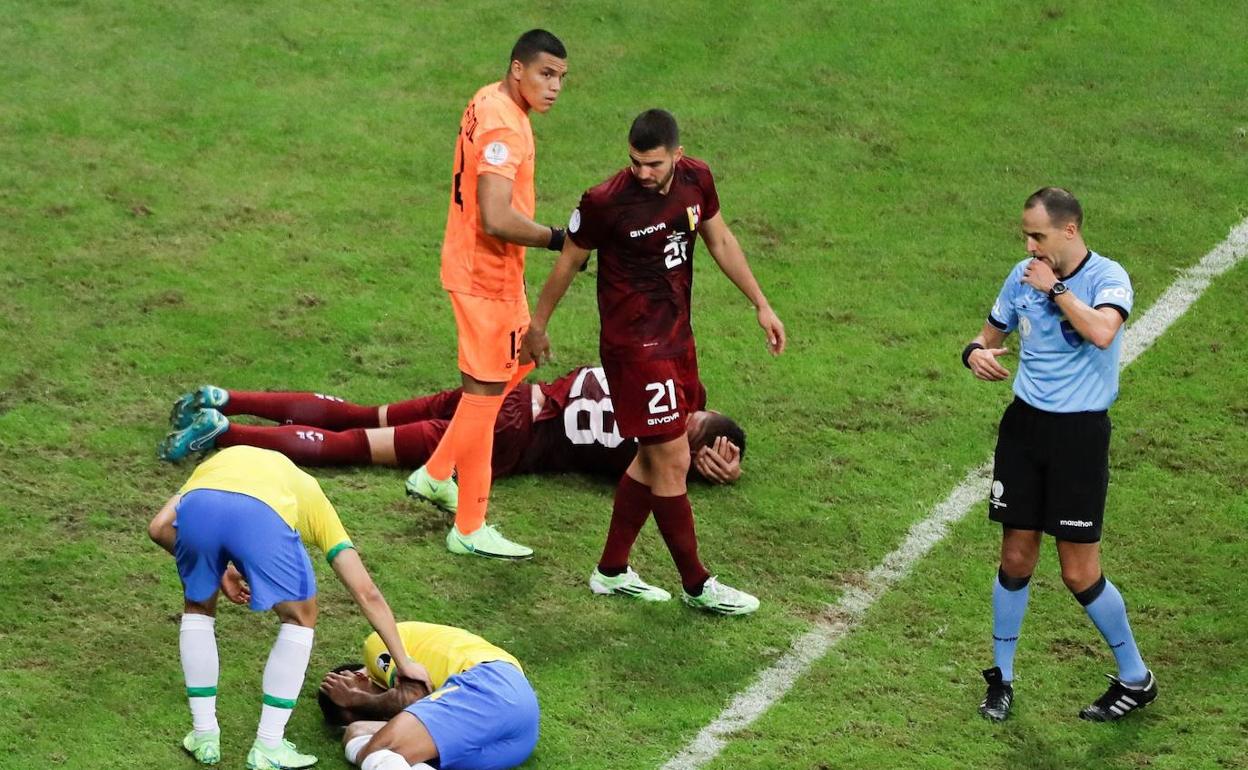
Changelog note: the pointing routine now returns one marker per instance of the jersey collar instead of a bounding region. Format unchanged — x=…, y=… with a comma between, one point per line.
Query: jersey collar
x=1079, y=267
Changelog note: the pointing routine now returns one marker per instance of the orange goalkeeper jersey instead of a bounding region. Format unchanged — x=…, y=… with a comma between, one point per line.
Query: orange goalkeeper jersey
x=495, y=137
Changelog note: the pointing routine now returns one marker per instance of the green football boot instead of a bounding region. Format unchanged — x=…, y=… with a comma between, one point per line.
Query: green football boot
x=199, y=436
x=206, y=748
x=189, y=404
x=284, y=757
x=487, y=542
x=720, y=599
x=627, y=584
x=443, y=495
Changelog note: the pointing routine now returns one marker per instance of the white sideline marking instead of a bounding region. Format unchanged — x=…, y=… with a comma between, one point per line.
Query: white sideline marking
x=855, y=600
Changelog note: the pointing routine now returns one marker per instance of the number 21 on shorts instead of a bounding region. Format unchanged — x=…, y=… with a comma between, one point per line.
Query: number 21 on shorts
x=663, y=396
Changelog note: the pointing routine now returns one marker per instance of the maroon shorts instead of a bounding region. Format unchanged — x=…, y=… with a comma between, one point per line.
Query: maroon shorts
x=653, y=399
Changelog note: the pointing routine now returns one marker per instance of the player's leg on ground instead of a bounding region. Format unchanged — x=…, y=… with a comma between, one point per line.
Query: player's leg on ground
x=304, y=444
x=189, y=404
x=282, y=680
x=197, y=647
x=405, y=736
x=438, y=406
x=301, y=408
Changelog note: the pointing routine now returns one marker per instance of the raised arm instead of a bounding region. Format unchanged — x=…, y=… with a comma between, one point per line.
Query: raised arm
x=1097, y=325
x=500, y=220
x=536, y=344
x=350, y=570
x=727, y=253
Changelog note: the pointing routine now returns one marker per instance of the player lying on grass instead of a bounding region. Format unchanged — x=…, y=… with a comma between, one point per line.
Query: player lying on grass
x=567, y=425
x=237, y=526
x=481, y=716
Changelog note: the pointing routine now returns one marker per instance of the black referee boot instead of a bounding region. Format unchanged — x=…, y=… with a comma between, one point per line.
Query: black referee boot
x=999, y=698
x=1120, y=700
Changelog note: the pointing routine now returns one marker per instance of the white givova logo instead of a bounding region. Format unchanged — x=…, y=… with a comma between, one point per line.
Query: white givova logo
x=998, y=489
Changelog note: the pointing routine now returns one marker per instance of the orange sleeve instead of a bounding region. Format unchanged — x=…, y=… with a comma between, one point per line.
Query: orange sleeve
x=499, y=142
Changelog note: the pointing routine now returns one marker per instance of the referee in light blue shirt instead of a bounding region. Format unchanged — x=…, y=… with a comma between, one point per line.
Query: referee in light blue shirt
x=1051, y=468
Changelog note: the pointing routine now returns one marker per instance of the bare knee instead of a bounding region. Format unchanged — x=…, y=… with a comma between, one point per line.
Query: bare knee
x=302, y=613
x=1019, y=554
x=1079, y=578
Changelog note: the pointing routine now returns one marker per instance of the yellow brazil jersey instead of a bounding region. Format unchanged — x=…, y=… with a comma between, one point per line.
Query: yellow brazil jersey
x=274, y=480
x=443, y=650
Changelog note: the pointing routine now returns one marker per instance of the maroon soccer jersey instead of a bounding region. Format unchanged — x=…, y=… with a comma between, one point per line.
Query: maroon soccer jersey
x=645, y=258
x=576, y=432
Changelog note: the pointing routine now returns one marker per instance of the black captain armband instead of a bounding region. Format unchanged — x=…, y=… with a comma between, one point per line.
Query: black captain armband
x=557, y=236
x=966, y=353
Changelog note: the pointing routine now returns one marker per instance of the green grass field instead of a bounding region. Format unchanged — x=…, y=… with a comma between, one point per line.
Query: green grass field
x=253, y=194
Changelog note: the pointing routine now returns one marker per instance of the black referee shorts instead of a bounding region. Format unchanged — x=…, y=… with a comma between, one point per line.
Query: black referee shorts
x=1051, y=472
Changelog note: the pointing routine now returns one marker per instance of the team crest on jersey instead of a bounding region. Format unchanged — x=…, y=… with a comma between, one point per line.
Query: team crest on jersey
x=383, y=664
x=695, y=215
x=496, y=153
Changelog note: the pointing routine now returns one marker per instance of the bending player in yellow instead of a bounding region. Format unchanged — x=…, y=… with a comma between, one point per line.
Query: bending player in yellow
x=238, y=525
x=482, y=716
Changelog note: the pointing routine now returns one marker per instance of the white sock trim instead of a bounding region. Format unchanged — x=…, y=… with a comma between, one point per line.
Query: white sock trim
x=297, y=634
x=193, y=620
x=355, y=746
x=385, y=760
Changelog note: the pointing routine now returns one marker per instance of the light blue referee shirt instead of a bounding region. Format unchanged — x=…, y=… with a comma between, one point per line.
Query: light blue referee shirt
x=1058, y=370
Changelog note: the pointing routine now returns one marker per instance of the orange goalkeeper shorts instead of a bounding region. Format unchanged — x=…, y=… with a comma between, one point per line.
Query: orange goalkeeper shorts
x=490, y=332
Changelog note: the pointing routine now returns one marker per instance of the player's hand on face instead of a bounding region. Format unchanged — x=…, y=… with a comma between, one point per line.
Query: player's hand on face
x=984, y=364
x=234, y=586
x=536, y=346
x=774, y=330
x=410, y=669
x=1039, y=275
x=719, y=463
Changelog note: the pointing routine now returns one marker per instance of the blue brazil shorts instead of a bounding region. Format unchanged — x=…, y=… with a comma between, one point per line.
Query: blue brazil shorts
x=483, y=719
x=216, y=527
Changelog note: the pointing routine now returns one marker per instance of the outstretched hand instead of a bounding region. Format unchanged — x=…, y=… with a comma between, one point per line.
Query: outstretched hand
x=234, y=586
x=772, y=327
x=984, y=365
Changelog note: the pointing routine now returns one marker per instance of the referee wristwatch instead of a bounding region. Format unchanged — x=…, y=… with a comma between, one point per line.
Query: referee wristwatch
x=1058, y=289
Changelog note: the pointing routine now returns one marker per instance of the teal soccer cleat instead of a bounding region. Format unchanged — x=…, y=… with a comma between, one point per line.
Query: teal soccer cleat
x=199, y=436
x=189, y=404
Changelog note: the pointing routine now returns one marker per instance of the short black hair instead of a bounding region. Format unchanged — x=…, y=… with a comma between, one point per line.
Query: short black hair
x=654, y=128
x=335, y=714
x=1060, y=204
x=717, y=425
x=534, y=42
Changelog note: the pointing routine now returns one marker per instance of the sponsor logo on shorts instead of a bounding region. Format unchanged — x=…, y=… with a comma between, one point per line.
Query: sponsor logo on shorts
x=574, y=221
x=1075, y=523
x=647, y=230
x=663, y=420
x=998, y=489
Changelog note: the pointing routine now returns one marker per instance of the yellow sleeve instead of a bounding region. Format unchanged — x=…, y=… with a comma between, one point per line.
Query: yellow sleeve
x=318, y=520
